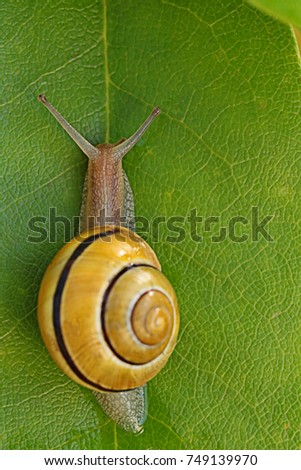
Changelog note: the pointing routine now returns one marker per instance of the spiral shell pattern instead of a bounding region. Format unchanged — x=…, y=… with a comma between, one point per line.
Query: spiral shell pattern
x=108, y=316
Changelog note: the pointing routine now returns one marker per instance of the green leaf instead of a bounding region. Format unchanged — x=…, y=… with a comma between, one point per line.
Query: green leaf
x=227, y=79
x=288, y=11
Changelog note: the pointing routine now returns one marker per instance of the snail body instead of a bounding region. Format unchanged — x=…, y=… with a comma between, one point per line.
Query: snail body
x=107, y=314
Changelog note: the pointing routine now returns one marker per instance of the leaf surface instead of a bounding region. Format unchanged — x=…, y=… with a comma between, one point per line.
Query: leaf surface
x=227, y=79
x=288, y=11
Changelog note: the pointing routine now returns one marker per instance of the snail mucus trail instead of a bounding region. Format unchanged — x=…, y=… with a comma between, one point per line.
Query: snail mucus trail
x=107, y=314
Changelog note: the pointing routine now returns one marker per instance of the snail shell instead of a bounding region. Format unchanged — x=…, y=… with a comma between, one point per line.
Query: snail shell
x=108, y=316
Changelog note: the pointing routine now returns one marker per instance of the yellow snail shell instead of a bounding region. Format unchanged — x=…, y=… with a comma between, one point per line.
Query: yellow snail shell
x=108, y=316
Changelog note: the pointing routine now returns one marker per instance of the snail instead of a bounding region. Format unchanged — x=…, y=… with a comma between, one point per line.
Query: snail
x=108, y=316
